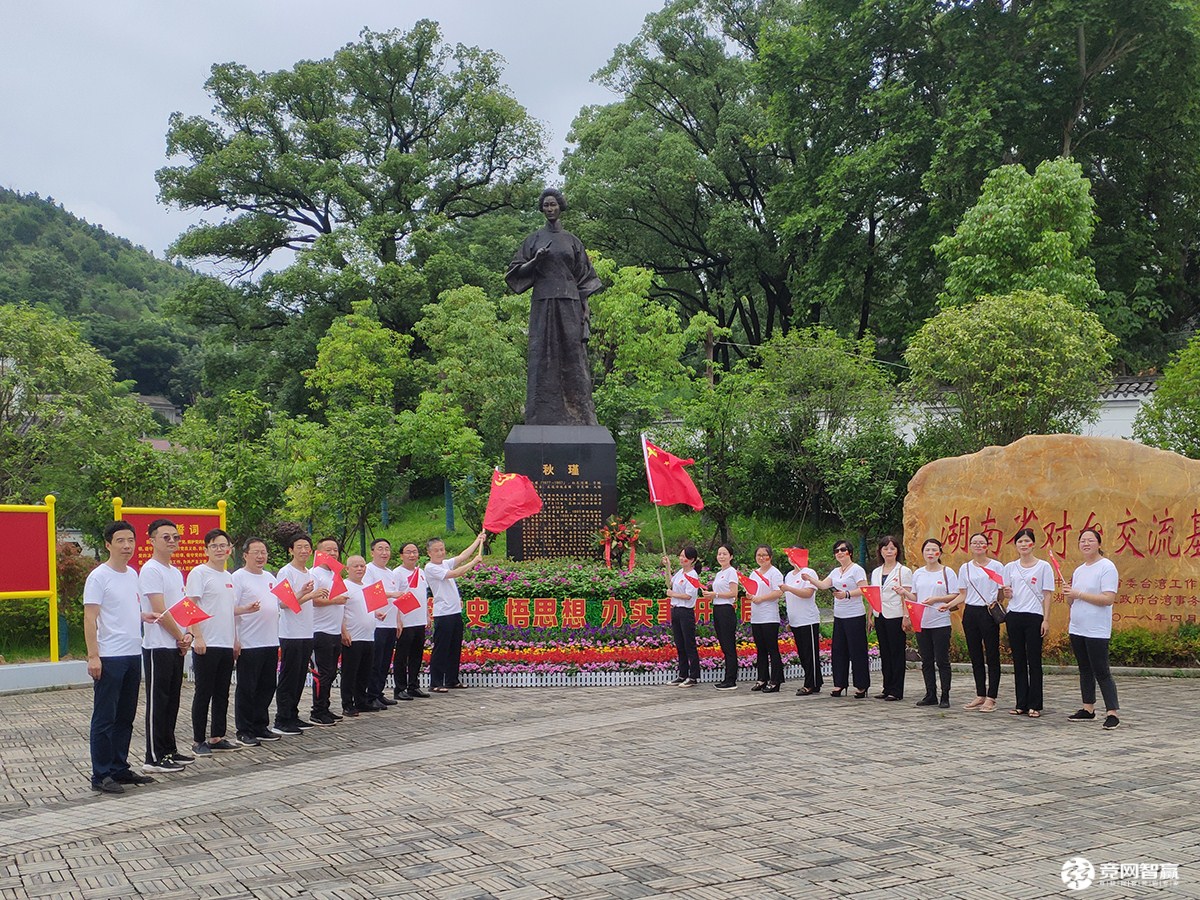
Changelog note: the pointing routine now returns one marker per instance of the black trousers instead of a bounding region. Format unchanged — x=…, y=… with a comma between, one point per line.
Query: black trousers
x=114, y=707
x=808, y=648
x=294, y=655
x=356, y=673
x=410, y=652
x=892, y=647
x=1025, y=639
x=255, y=687
x=214, y=671
x=327, y=650
x=766, y=646
x=683, y=630
x=934, y=646
x=850, y=651
x=1092, y=656
x=983, y=644
x=381, y=661
x=164, y=678
x=447, y=650
x=725, y=625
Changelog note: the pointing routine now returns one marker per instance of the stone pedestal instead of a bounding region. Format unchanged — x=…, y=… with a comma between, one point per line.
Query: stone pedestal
x=574, y=468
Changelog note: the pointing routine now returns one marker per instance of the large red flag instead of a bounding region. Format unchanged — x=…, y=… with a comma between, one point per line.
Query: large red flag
x=375, y=595
x=512, y=499
x=668, y=478
x=407, y=602
x=186, y=612
x=915, y=612
x=286, y=595
x=748, y=583
x=872, y=593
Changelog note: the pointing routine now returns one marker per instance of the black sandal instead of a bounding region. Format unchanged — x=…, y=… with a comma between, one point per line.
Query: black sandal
x=837, y=692
x=807, y=692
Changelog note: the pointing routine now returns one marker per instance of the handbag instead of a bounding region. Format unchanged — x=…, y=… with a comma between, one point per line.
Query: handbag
x=995, y=609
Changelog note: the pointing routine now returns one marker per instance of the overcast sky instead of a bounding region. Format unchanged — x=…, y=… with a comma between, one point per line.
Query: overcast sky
x=86, y=87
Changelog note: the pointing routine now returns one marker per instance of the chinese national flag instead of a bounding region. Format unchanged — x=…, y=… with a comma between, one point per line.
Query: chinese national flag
x=415, y=578
x=694, y=582
x=286, y=595
x=407, y=602
x=330, y=562
x=871, y=592
x=375, y=595
x=512, y=499
x=339, y=587
x=915, y=612
x=798, y=556
x=995, y=576
x=186, y=612
x=748, y=583
x=668, y=478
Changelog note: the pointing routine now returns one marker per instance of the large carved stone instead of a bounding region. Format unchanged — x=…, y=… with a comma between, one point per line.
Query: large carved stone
x=1145, y=502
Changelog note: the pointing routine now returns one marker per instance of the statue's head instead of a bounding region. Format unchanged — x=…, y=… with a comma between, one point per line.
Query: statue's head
x=557, y=195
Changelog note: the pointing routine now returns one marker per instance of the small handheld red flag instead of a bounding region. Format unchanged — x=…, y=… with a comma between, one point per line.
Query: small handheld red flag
x=694, y=582
x=186, y=612
x=668, y=478
x=872, y=593
x=798, y=556
x=915, y=612
x=749, y=584
x=286, y=595
x=375, y=595
x=512, y=499
x=992, y=574
x=330, y=562
x=407, y=602
x=415, y=578
x=338, y=588
x=1057, y=570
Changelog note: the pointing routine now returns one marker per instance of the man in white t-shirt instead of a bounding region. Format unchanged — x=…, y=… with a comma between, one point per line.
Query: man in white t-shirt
x=410, y=640
x=385, y=623
x=358, y=643
x=441, y=572
x=112, y=627
x=256, y=618
x=295, y=638
x=329, y=606
x=210, y=587
x=164, y=646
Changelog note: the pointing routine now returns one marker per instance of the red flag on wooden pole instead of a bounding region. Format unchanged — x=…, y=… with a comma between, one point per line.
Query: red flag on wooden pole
x=668, y=478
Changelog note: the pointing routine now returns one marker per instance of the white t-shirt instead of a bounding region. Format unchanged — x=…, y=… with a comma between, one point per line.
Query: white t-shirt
x=890, y=600
x=420, y=615
x=680, y=585
x=296, y=625
x=213, y=593
x=155, y=578
x=981, y=590
x=849, y=580
x=374, y=574
x=724, y=582
x=119, y=626
x=359, y=623
x=1027, y=585
x=256, y=629
x=446, y=599
x=326, y=619
x=1088, y=619
x=767, y=610
x=939, y=583
x=801, y=611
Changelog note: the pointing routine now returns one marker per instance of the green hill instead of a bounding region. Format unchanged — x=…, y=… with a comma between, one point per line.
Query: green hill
x=113, y=289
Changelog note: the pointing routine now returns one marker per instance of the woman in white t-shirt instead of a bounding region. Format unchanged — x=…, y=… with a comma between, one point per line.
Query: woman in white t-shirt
x=933, y=586
x=684, y=589
x=1092, y=593
x=804, y=620
x=888, y=576
x=1028, y=585
x=979, y=580
x=723, y=594
x=849, y=623
x=764, y=621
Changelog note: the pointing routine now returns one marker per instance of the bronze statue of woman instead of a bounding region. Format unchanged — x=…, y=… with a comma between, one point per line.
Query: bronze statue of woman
x=558, y=389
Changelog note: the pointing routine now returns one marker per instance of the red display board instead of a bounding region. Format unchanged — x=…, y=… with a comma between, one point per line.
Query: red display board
x=26, y=536
x=193, y=524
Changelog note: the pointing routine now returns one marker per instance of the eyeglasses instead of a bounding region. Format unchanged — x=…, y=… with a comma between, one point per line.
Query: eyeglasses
x=169, y=538
x=220, y=546
x=842, y=550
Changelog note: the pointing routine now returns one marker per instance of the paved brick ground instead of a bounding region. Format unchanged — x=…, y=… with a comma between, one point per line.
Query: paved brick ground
x=622, y=792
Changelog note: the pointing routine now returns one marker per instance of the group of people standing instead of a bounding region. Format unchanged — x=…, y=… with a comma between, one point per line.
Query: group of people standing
x=981, y=588
x=243, y=626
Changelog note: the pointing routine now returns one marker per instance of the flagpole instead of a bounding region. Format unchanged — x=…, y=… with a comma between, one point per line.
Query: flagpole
x=657, y=509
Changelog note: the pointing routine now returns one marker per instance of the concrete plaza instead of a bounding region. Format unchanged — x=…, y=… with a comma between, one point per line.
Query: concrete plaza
x=623, y=792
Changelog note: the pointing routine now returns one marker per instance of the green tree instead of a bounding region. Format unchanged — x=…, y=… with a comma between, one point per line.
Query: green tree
x=1010, y=365
x=359, y=362
x=1171, y=418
